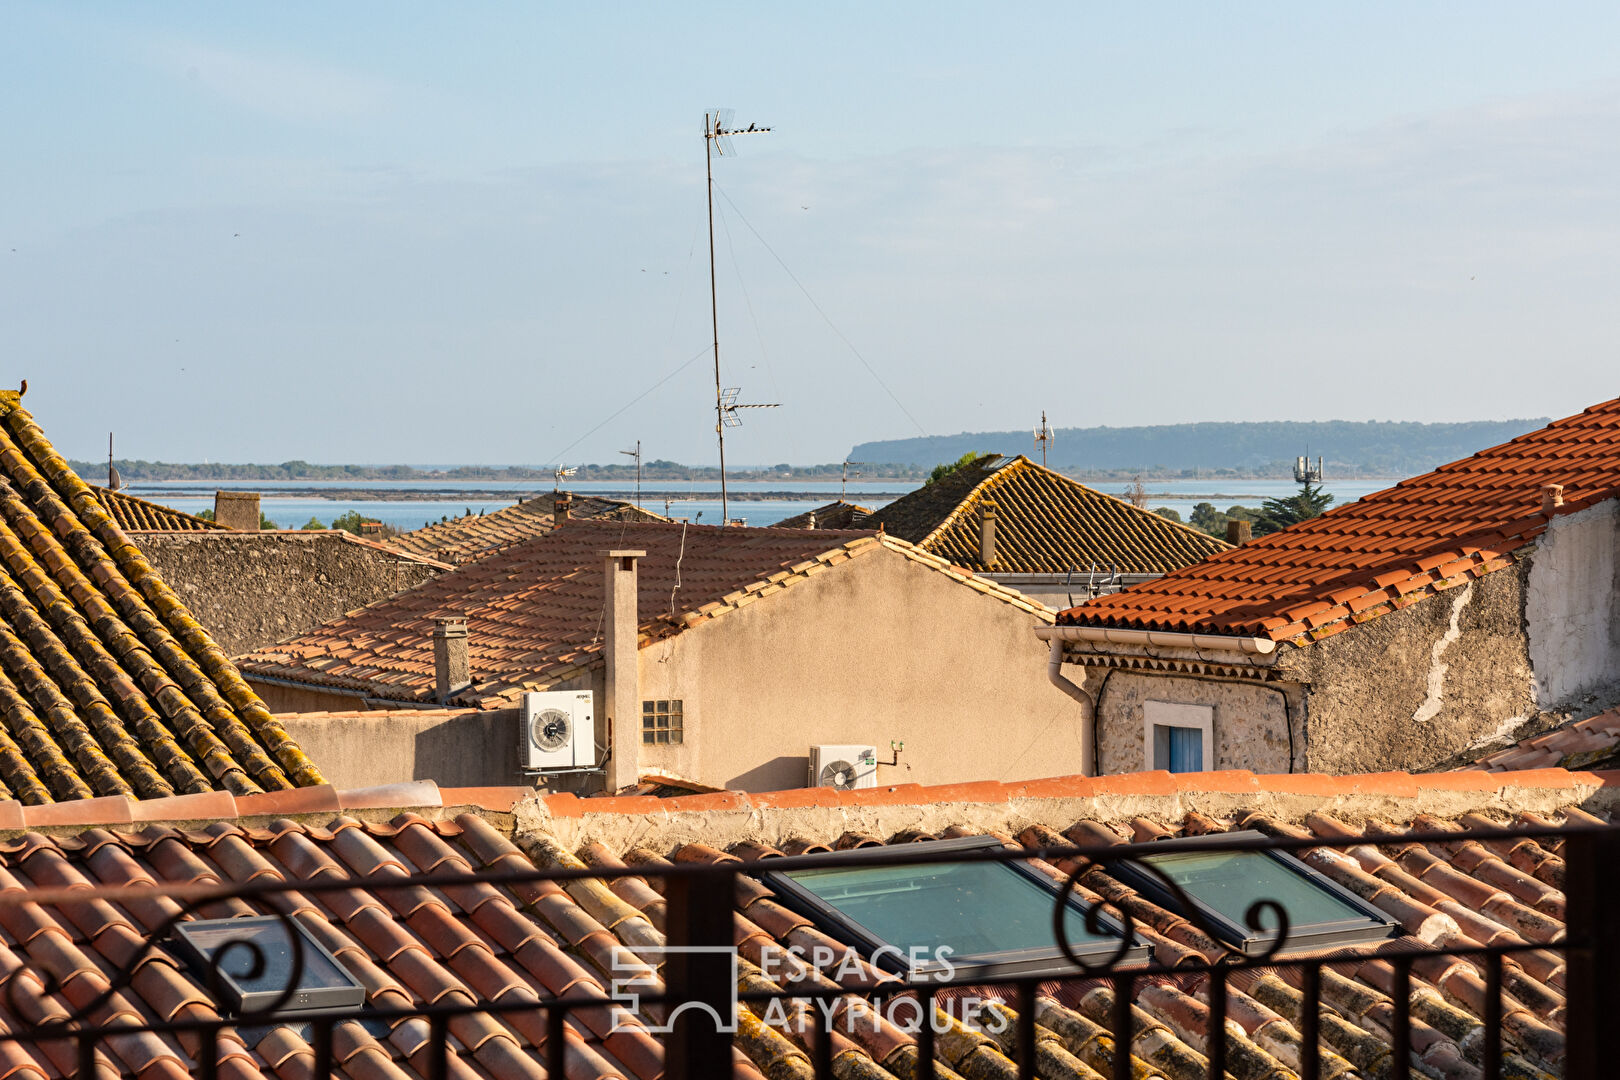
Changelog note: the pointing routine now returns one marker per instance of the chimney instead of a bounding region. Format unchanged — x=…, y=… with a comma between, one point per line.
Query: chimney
x=987, y=533
x=623, y=678
x=237, y=510
x=1552, y=497
x=1238, y=531
x=452, y=670
x=812, y=524
x=560, y=508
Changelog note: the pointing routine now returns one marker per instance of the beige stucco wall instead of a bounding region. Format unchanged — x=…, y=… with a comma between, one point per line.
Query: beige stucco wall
x=876, y=650
x=471, y=749
x=1411, y=688
x=1572, y=605
x=280, y=698
x=1248, y=719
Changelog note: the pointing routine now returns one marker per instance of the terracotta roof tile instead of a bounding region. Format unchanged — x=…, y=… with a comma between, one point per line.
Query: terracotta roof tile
x=1457, y=522
x=1584, y=744
x=139, y=515
x=534, y=610
x=837, y=514
x=109, y=687
x=476, y=536
x=1045, y=523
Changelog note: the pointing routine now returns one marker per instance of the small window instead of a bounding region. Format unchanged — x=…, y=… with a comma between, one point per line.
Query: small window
x=1223, y=884
x=662, y=722
x=1179, y=738
x=995, y=917
x=323, y=986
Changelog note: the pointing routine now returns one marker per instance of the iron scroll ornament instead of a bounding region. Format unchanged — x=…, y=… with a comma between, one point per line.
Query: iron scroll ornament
x=1253, y=917
x=213, y=976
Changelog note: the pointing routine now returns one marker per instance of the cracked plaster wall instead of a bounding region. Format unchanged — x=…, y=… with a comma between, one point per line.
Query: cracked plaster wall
x=1572, y=608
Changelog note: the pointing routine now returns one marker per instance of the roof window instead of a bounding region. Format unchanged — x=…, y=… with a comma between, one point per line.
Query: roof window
x=1223, y=885
x=323, y=985
x=991, y=918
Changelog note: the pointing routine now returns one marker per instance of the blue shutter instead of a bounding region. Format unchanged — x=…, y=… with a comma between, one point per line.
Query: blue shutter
x=1186, y=749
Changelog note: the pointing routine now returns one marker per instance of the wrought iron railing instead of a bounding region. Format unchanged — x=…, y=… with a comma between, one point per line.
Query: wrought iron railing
x=699, y=923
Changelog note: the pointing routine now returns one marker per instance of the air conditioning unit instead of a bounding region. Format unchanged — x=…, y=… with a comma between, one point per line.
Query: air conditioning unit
x=843, y=766
x=557, y=729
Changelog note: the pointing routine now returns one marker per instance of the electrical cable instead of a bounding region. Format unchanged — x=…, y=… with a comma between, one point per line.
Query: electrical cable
x=1096, y=723
x=700, y=354
x=870, y=370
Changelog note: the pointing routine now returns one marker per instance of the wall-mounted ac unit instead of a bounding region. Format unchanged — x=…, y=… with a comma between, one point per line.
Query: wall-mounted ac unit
x=843, y=766
x=557, y=729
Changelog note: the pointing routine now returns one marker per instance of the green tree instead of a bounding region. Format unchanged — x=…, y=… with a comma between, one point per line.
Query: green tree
x=945, y=469
x=350, y=522
x=1277, y=514
x=312, y=524
x=1166, y=512
x=265, y=524
x=206, y=515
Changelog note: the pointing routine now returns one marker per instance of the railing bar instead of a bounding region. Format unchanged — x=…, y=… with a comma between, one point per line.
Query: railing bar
x=925, y=1034
x=821, y=1049
x=556, y=1041
x=1124, y=1039
x=1492, y=1065
x=1310, y=1050
x=87, y=1057
x=1217, y=1023
x=1400, y=1033
x=208, y=1053
x=322, y=1030
x=1026, y=1030
x=438, y=1047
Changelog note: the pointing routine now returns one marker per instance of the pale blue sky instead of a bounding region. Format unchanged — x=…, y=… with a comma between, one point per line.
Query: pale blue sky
x=469, y=233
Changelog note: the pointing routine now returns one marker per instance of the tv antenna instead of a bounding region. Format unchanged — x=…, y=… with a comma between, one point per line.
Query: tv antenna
x=559, y=474
x=636, y=453
x=1043, y=438
x=114, y=481
x=717, y=135
x=845, y=481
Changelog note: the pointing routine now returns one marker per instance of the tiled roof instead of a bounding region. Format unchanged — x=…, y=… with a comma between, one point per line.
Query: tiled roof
x=475, y=536
x=108, y=686
x=1383, y=551
x=504, y=944
x=1583, y=744
x=138, y=515
x=837, y=514
x=534, y=610
x=1045, y=523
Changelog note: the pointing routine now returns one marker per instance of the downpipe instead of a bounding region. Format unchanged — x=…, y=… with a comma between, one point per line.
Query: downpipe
x=1088, y=720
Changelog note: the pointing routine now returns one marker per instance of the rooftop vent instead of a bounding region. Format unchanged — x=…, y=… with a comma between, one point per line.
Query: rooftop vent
x=452, y=668
x=1552, y=497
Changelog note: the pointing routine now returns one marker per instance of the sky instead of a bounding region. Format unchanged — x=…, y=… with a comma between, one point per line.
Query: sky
x=475, y=233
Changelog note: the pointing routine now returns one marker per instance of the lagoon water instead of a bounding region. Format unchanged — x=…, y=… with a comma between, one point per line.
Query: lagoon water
x=696, y=500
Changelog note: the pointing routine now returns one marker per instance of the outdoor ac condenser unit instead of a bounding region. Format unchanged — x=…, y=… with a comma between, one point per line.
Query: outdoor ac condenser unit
x=843, y=766
x=557, y=729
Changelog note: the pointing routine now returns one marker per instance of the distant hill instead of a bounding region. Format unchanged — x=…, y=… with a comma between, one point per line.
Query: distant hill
x=1371, y=448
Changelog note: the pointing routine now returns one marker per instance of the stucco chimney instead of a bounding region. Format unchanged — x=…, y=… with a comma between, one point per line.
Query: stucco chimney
x=561, y=507
x=987, y=533
x=623, y=678
x=452, y=670
x=1552, y=497
x=1238, y=531
x=237, y=510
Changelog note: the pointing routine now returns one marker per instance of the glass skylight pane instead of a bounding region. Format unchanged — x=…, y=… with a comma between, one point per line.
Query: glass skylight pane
x=974, y=908
x=271, y=938
x=1229, y=881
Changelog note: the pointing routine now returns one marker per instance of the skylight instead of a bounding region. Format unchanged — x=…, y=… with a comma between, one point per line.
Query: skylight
x=323, y=984
x=993, y=917
x=1224, y=884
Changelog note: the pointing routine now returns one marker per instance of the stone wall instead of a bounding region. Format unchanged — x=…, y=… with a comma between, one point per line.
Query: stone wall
x=1250, y=722
x=252, y=589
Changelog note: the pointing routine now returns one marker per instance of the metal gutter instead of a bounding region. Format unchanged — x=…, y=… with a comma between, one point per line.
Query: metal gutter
x=1100, y=635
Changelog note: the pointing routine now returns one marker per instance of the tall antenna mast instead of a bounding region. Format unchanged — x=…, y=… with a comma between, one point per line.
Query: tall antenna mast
x=114, y=481
x=842, y=484
x=717, y=132
x=1043, y=438
x=636, y=453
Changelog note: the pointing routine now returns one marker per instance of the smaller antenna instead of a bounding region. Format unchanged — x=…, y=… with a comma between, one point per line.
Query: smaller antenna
x=560, y=474
x=729, y=406
x=845, y=481
x=1043, y=438
x=114, y=481
x=636, y=453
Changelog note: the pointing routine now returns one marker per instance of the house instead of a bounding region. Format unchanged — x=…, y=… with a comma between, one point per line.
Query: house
x=837, y=514
x=474, y=536
x=1035, y=530
x=720, y=655
x=518, y=939
x=252, y=587
x=108, y=685
x=1395, y=632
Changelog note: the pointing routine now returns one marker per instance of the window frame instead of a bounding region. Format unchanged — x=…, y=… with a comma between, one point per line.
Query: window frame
x=1042, y=961
x=1301, y=936
x=307, y=1001
x=1177, y=714
x=675, y=707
